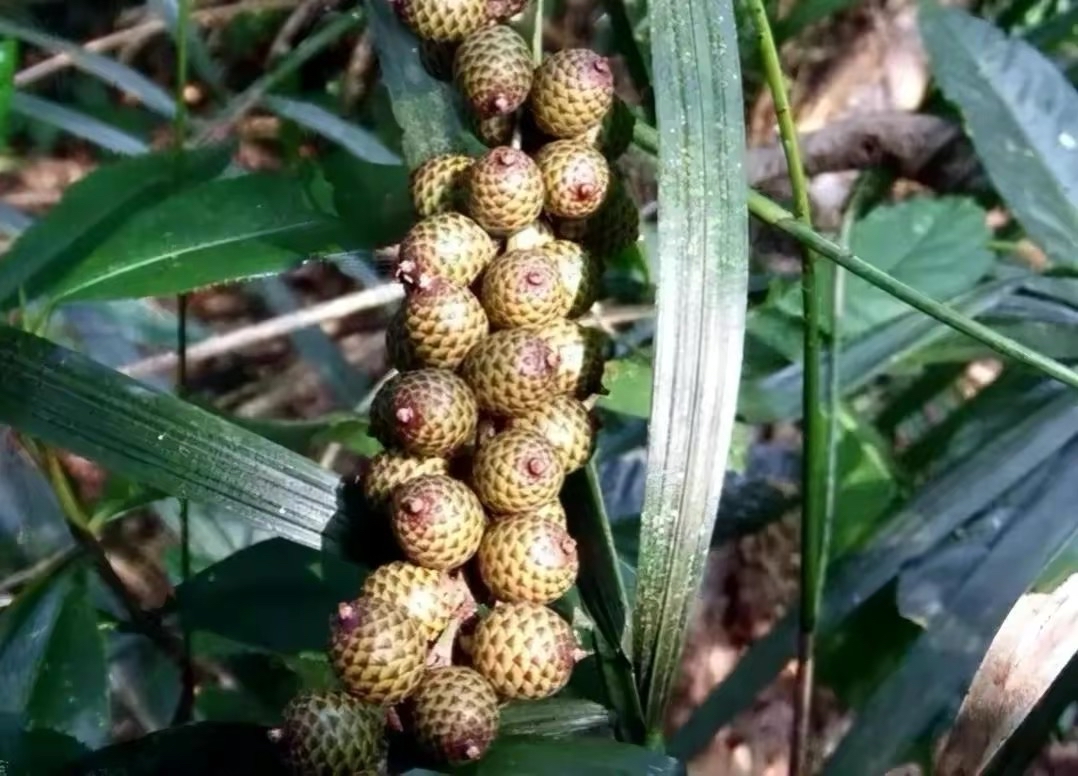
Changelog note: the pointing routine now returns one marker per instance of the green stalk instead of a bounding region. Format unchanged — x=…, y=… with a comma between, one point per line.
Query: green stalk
x=814, y=458
x=775, y=215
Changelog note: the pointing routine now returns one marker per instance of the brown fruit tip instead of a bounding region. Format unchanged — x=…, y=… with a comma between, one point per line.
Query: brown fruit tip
x=534, y=278
x=276, y=735
x=415, y=505
x=347, y=616
x=536, y=466
x=499, y=103
x=404, y=415
x=505, y=157
x=584, y=191
x=472, y=751
x=601, y=66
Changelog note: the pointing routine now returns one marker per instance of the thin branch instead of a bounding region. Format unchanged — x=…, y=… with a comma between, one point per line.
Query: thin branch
x=221, y=344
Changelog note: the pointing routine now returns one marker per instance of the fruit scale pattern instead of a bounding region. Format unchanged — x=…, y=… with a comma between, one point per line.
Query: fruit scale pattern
x=488, y=410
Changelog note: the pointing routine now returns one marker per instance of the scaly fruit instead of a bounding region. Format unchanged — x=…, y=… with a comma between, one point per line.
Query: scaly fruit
x=428, y=412
x=512, y=371
x=535, y=235
x=448, y=245
x=332, y=733
x=493, y=69
x=428, y=596
x=615, y=226
x=399, y=352
x=580, y=272
x=528, y=560
x=571, y=92
x=494, y=131
x=503, y=10
x=516, y=471
x=439, y=184
x=575, y=176
x=523, y=288
x=376, y=650
x=567, y=425
x=525, y=651
x=437, y=59
x=390, y=468
x=581, y=357
x=443, y=21
x=551, y=510
x=505, y=191
x=438, y=521
x=455, y=714
x=441, y=323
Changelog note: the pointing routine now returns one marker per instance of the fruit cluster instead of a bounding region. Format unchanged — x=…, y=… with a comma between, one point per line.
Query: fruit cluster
x=488, y=411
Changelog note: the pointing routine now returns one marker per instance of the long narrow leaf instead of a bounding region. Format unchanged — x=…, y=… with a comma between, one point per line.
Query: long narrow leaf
x=71, y=402
x=357, y=141
x=109, y=70
x=703, y=282
x=78, y=124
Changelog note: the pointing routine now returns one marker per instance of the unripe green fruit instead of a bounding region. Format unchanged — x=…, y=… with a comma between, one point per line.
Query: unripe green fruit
x=455, y=714
x=332, y=733
x=376, y=650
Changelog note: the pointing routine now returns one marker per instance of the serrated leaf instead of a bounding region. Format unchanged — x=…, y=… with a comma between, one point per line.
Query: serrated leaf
x=78, y=124
x=94, y=208
x=71, y=402
x=52, y=659
x=426, y=109
x=109, y=70
x=249, y=226
x=937, y=246
x=943, y=661
x=275, y=595
x=1022, y=116
x=702, y=286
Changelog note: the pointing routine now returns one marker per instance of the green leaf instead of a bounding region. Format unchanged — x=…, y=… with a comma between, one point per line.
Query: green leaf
x=937, y=510
x=523, y=756
x=1021, y=114
x=552, y=717
x=702, y=285
x=211, y=748
x=121, y=76
x=935, y=245
x=78, y=124
x=629, y=382
x=359, y=142
x=35, y=751
x=52, y=659
x=425, y=109
x=866, y=484
x=373, y=200
x=229, y=229
x=941, y=664
x=94, y=208
x=71, y=402
x=9, y=56
x=274, y=595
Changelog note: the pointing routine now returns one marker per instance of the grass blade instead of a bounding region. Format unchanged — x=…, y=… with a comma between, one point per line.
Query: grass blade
x=109, y=70
x=703, y=279
x=78, y=124
x=73, y=403
x=359, y=142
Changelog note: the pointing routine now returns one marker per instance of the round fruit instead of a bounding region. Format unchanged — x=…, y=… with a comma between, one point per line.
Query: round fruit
x=505, y=191
x=494, y=131
x=575, y=176
x=443, y=21
x=528, y=559
x=525, y=651
x=441, y=323
x=332, y=733
x=438, y=521
x=448, y=245
x=390, y=468
x=512, y=371
x=551, y=510
x=428, y=412
x=455, y=714
x=615, y=226
x=428, y=596
x=376, y=650
x=571, y=92
x=437, y=59
x=580, y=274
x=581, y=357
x=502, y=10
x=493, y=69
x=516, y=471
x=438, y=185
x=523, y=288
x=567, y=425
x=534, y=235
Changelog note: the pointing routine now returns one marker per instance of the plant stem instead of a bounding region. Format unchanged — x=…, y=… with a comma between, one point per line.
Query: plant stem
x=537, y=34
x=814, y=457
x=774, y=214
